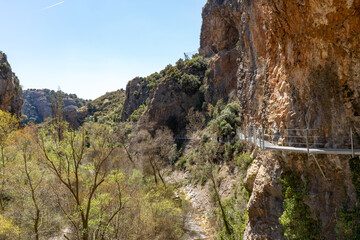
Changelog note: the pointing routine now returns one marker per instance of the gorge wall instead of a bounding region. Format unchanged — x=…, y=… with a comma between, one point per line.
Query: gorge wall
x=10, y=90
x=276, y=55
x=291, y=64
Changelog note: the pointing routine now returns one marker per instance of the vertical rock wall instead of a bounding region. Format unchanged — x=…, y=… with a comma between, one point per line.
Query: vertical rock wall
x=10, y=90
x=291, y=64
x=277, y=55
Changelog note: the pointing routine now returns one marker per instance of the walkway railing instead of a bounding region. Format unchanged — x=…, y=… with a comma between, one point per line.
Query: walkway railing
x=309, y=141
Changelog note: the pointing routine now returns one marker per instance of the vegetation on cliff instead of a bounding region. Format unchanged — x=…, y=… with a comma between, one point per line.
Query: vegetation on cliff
x=348, y=224
x=107, y=108
x=296, y=218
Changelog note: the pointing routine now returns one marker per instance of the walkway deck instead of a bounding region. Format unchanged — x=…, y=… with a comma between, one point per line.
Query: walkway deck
x=267, y=146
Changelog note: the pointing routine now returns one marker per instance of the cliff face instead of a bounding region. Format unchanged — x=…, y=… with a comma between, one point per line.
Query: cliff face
x=278, y=54
x=167, y=95
x=291, y=64
x=137, y=91
x=37, y=104
x=10, y=90
x=169, y=105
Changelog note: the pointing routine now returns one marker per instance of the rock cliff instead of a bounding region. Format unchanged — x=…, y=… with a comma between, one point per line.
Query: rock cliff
x=277, y=55
x=10, y=89
x=291, y=64
x=37, y=104
x=167, y=96
x=137, y=91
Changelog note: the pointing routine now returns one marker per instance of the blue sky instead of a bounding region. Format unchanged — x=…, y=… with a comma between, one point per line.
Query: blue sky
x=92, y=47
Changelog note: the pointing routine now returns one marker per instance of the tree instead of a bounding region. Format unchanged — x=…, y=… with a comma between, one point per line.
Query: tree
x=227, y=121
x=81, y=170
x=57, y=107
x=8, y=123
x=195, y=119
x=25, y=142
x=7, y=228
x=155, y=150
x=210, y=152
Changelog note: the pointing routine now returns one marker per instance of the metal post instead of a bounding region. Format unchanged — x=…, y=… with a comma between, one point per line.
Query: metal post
x=307, y=141
x=352, y=143
x=263, y=138
x=246, y=133
x=254, y=135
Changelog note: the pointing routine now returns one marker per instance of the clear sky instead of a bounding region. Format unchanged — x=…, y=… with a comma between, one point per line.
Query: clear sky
x=92, y=47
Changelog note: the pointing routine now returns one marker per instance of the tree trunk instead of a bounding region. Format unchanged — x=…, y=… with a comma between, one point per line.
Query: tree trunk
x=223, y=214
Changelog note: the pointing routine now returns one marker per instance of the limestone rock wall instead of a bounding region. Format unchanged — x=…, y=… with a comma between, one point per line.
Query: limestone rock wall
x=291, y=64
x=137, y=91
x=169, y=105
x=10, y=90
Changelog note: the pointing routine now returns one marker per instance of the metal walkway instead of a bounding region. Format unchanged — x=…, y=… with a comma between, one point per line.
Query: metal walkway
x=264, y=142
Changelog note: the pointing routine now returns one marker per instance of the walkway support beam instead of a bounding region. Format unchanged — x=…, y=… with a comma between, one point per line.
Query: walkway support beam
x=317, y=163
x=254, y=130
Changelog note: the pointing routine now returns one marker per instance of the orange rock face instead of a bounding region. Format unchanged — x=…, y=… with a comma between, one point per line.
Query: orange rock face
x=293, y=64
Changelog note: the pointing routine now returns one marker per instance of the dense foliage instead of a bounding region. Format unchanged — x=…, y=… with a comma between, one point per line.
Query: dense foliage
x=225, y=119
x=107, y=108
x=82, y=184
x=348, y=224
x=296, y=219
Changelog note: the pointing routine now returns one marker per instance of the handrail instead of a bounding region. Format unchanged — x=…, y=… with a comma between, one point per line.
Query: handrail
x=281, y=141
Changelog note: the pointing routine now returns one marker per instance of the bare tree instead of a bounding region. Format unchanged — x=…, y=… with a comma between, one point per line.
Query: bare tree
x=154, y=151
x=81, y=169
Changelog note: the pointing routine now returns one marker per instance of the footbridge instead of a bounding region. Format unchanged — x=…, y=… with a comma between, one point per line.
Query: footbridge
x=299, y=140
x=308, y=141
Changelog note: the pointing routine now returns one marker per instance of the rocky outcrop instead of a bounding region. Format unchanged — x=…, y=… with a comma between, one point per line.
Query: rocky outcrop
x=10, y=89
x=37, y=105
x=177, y=90
x=137, y=92
x=291, y=64
x=169, y=105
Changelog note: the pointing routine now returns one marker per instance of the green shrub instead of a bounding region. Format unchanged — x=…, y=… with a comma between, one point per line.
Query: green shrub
x=348, y=224
x=135, y=116
x=227, y=121
x=244, y=161
x=238, y=147
x=4, y=69
x=190, y=83
x=296, y=219
x=196, y=64
x=181, y=163
x=228, y=152
x=205, y=138
x=236, y=215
